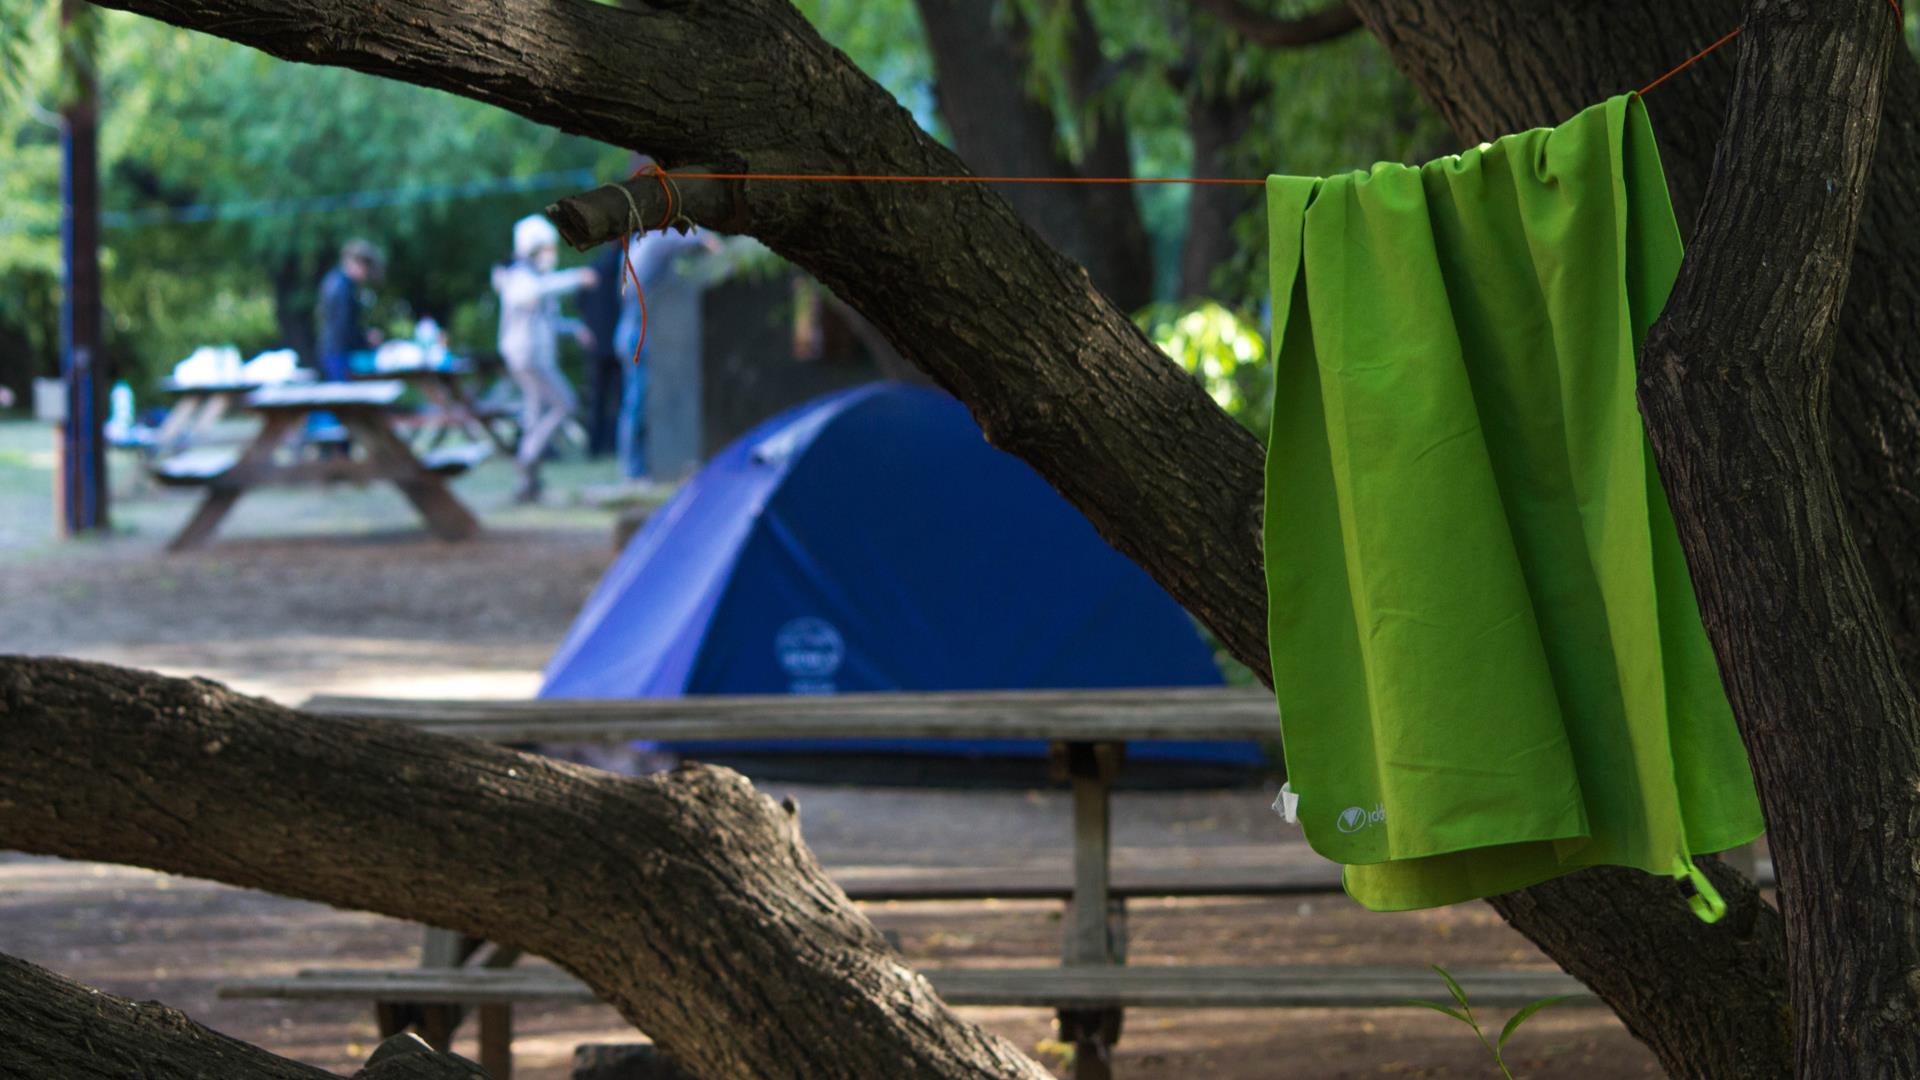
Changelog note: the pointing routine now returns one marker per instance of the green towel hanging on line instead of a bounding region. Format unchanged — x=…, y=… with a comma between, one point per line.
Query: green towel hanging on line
x=1489, y=662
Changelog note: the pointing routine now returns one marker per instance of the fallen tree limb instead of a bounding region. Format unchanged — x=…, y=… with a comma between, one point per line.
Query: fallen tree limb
x=687, y=900
x=55, y=1027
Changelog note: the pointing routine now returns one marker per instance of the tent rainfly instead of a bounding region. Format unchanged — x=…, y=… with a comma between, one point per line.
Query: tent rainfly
x=871, y=540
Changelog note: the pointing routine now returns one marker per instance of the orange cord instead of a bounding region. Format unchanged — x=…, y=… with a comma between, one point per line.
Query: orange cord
x=1692, y=60
x=897, y=179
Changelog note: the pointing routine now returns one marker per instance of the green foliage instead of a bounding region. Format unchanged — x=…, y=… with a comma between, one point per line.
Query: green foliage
x=1225, y=352
x=1464, y=1014
x=189, y=120
x=884, y=38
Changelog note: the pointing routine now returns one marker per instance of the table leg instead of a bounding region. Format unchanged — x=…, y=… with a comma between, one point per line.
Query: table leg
x=457, y=393
x=444, y=417
x=177, y=425
x=225, y=491
x=446, y=516
x=496, y=1040
x=451, y=949
x=213, y=509
x=215, y=408
x=1090, y=938
x=436, y=1025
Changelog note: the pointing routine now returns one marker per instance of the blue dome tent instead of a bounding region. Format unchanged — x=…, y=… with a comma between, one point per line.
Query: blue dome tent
x=871, y=540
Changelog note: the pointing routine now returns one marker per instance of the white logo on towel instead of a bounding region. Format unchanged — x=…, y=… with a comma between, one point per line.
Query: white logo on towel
x=1355, y=818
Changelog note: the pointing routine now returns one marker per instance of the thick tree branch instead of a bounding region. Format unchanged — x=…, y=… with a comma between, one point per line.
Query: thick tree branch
x=687, y=901
x=1734, y=387
x=56, y=1027
x=1277, y=32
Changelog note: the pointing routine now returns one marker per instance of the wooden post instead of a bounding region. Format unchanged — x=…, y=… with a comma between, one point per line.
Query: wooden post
x=83, y=457
x=496, y=1040
x=1091, y=767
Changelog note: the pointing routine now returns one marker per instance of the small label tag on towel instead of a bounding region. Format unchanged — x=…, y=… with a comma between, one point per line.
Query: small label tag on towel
x=1287, y=805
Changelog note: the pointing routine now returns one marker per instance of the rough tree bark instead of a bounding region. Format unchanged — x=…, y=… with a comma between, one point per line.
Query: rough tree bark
x=54, y=1027
x=687, y=901
x=1053, y=373
x=981, y=59
x=1734, y=385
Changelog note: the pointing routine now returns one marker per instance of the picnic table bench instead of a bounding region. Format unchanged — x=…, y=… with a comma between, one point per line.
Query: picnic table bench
x=1088, y=731
x=365, y=410
x=1088, y=994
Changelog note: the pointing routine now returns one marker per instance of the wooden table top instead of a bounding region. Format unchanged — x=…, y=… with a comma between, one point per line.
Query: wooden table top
x=1198, y=714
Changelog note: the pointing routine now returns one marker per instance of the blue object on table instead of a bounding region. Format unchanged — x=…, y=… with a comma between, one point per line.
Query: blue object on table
x=871, y=540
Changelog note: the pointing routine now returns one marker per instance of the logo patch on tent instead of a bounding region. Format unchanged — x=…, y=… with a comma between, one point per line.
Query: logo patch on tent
x=1355, y=818
x=810, y=650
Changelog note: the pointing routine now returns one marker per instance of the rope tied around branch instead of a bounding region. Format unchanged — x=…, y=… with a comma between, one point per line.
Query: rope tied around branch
x=636, y=226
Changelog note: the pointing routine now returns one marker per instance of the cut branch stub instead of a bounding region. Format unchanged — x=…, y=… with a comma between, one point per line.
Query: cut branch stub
x=650, y=201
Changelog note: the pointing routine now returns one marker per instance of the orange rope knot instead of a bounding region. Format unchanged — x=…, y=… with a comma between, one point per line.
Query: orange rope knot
x=626, y=244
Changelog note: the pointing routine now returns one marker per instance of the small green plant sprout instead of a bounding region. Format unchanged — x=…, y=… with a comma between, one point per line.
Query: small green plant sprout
x=1464, y=1014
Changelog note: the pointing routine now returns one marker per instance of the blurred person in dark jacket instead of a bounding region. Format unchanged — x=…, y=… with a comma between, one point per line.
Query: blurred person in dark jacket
x=343, y=329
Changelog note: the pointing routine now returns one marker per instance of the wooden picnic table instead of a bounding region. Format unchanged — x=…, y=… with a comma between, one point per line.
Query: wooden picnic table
x=366, y=411
x=1090, y=991
x=453, y=406
x=1087, y=731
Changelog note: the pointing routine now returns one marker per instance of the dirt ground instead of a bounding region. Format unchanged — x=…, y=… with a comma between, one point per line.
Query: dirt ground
x=379, y=609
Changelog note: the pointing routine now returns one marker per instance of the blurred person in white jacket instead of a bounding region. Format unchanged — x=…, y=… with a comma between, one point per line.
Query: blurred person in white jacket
x=530, y=324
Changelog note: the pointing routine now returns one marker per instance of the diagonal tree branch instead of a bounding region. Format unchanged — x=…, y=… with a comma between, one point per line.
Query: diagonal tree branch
x=1282, y=32
x=687, y=901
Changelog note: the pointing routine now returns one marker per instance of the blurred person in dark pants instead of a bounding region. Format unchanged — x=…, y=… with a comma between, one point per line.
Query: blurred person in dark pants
x=599, y=307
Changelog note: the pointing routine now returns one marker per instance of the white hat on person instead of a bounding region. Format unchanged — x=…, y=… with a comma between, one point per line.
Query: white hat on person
x=531, y=233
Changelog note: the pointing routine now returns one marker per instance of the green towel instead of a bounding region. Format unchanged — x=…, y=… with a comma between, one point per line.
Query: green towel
x=1489, y=661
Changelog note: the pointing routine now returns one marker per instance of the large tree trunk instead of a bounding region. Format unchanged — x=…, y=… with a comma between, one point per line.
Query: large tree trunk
x=54, y=1027
x=981, y=59
x=687, y=901
x=1734, y=386
x=1053, y=373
